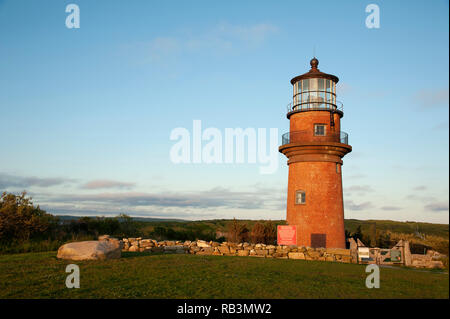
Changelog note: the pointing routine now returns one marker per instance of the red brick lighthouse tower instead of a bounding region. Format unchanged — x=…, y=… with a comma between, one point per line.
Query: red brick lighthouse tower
x=315, y=146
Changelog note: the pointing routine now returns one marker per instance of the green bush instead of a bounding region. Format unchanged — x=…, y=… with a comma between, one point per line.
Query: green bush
x=21, y=221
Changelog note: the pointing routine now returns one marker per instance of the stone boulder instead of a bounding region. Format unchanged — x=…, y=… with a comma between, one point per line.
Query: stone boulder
x=133, y=248
x=224, y=249
x=296, y=255
x=203, y=244
x=243, y=252
x=90, y=250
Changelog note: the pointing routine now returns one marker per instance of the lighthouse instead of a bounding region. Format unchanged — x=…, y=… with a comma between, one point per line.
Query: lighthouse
x=315, y=146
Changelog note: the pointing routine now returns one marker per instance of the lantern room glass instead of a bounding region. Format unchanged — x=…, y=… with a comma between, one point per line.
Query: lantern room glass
x=314, y=93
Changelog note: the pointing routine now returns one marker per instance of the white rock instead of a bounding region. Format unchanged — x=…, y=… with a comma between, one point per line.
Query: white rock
x=90, y=250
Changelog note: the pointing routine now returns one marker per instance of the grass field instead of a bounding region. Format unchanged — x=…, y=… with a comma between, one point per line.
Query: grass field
x=42, y=275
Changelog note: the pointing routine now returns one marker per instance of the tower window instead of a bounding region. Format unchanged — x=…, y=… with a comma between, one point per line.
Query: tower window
x=300, y=197
x=319, y=129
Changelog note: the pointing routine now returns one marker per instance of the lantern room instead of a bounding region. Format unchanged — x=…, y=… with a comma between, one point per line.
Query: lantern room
x=314, y=90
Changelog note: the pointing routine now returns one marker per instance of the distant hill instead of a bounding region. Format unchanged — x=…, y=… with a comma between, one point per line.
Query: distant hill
x=139, y=219
x=409, y=227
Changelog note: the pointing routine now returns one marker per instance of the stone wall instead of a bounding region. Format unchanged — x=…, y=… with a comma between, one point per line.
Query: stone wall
x=432, y=259
x=201, y=247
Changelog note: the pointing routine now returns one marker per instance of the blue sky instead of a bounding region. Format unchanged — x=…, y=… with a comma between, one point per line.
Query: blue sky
x=86, y=113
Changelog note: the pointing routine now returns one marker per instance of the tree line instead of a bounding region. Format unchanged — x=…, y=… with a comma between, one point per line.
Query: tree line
x=25, y=227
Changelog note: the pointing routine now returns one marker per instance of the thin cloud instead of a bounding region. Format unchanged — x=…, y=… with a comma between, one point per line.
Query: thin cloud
x=214, y=198
x=361, y=189
x=432, y=98
x=344, y=88
x=220, y=38
x=437, y=207
x=15, y=181
x=355, y=176
x=440, y=126
x=389, y=208
x=253, y=34
x=103, y=183
x=226, y=36
x=350, y=205
x=162, y=48
x=420, y=198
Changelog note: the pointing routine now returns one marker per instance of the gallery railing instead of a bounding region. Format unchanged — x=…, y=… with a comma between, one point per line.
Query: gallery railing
x=318, y=105
x=310, y=136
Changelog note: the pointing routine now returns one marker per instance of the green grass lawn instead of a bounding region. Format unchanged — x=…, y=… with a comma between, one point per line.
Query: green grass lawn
x=42, y=275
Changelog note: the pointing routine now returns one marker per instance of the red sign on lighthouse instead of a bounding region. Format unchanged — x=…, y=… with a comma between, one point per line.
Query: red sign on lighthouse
x=287, y=235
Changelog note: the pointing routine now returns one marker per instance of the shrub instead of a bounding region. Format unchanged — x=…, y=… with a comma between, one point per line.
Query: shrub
x=20, y=220
x=257, y=233
x=237, y=232
x=270, y=233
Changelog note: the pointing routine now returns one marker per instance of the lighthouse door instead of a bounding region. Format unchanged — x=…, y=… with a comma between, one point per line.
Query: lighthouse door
x=318, y=240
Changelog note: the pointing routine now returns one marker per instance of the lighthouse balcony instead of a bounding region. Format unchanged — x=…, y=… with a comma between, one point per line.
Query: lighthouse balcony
x=315, y=105
x=312, y=137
